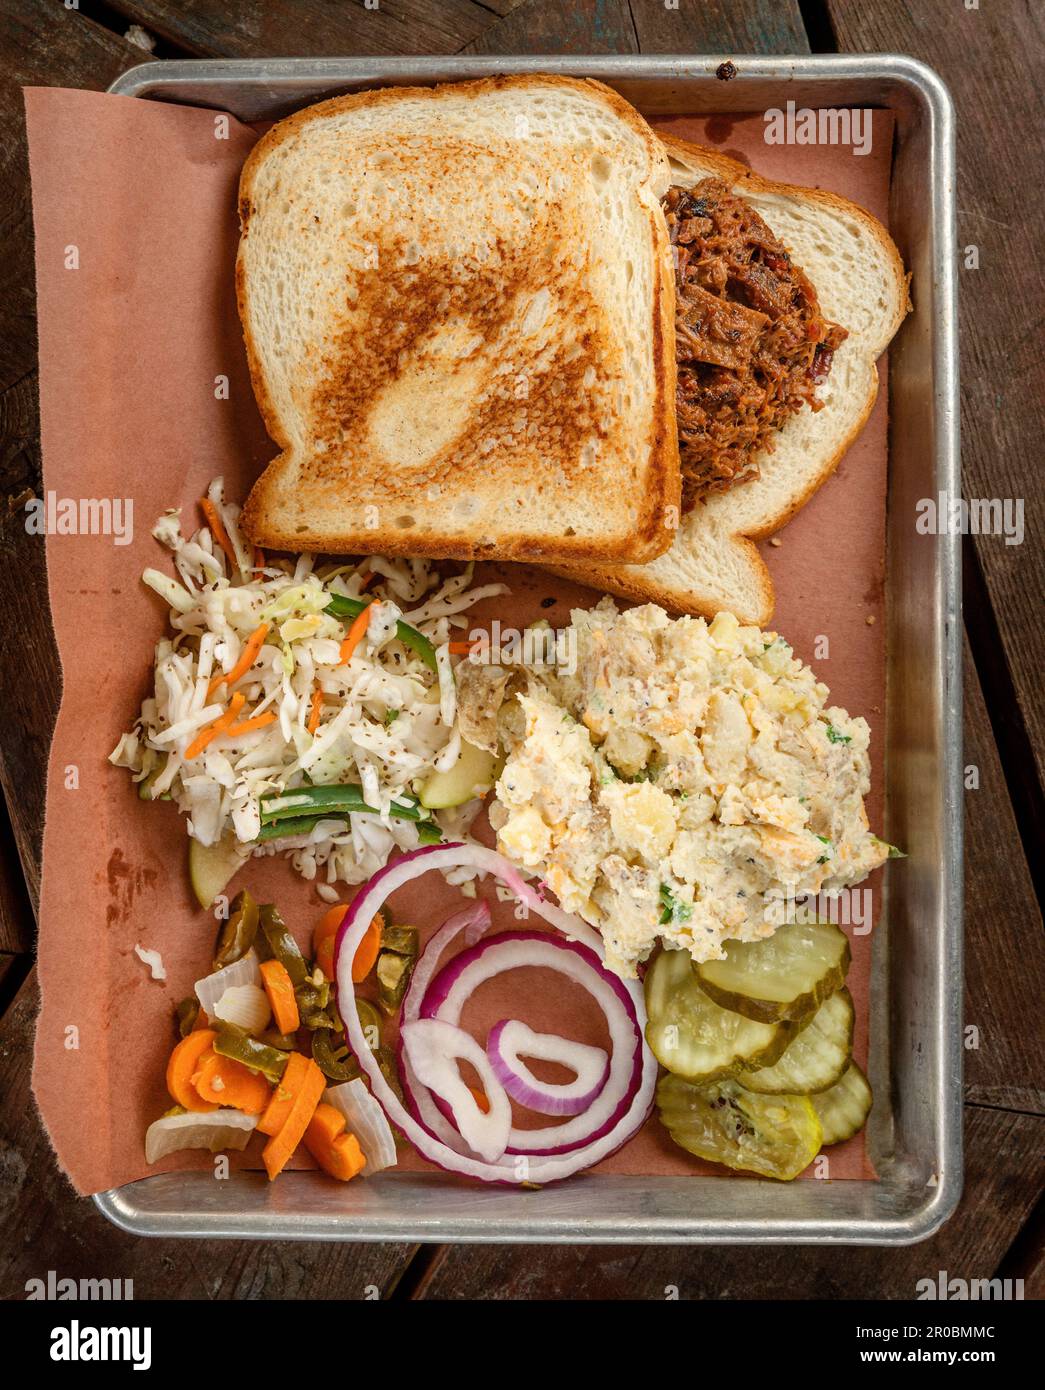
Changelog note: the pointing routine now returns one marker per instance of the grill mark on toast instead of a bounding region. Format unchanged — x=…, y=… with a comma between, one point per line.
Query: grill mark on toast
x=391, y=335
x=639, y=479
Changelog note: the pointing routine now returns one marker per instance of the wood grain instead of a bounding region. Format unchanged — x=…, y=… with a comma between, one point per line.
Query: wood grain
x=1004, y=944
x=16, y=913
x=315, y=28
x=987, y=58
x=1003, y=1184
x=44, y=1226
x=720, y=26
x=30, y=677
x=581, y=26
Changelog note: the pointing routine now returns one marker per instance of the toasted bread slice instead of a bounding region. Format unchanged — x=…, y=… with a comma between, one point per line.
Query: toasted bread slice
x=860, y=281
x=458, y=308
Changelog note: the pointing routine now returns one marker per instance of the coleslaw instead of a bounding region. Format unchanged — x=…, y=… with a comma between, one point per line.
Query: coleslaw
x=266, y=685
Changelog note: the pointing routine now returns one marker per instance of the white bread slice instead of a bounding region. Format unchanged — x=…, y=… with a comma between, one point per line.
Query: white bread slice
x=860, y=281
x=458, y=305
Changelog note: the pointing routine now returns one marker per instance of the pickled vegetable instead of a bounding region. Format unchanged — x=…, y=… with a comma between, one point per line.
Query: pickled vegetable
x=185, y=1015
x=404, y=941
x=217, y=1130
x=236, y=935
x=393, y=976
x=370, y=1022
x=815, y=1059
x=693, y=1036
x=281, y=944
x=387, y=1063
x=241, y=1047
x=471, y=775
x=785, y=976
x=211, y=867
x=333, y=1056
x=314, y=1004
x=843, y=1110
x=722, y=1122
x=246, y=1007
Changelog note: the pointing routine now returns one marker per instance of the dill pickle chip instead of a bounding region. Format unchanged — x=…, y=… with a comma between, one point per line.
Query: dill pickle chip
x=785, y=976
x=723, y=1122
x=814, y=1059
x=843, y=1110
x=693, y=1036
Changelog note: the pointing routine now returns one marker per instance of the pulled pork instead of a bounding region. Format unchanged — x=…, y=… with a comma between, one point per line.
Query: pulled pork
x=751, y=343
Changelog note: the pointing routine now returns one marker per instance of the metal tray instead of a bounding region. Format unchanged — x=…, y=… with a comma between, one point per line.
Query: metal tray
x=915, y=1131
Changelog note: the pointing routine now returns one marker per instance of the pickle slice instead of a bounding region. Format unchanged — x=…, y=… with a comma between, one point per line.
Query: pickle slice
x=815, y=1059
x=785, y=976
x=693, y=1036
x=775, y=1136
x=843, y=1110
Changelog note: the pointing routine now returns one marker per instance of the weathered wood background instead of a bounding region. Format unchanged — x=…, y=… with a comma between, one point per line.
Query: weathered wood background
x=989, y=57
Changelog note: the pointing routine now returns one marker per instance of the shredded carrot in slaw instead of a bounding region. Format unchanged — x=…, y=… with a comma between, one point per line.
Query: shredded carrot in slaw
x=354, y=635
x=248, y=726
x=315, y=710
x=218, y=531
x=248, y=656
x=216, y=727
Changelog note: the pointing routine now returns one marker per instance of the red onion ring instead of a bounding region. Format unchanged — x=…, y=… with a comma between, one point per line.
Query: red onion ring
x=473, y=921
x=539, y=1168
x=510, y=1041
x=456, y=982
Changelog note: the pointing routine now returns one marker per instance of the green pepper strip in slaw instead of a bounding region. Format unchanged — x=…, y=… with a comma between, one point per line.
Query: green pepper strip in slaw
x=342, y=607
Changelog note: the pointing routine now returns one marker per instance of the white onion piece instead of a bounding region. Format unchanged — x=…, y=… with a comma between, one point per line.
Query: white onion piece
x=458, y=981
x=245, y=1006
x=510, y=1041
x=241, y=972
x=216, y=1130
x=508, y=1169
x=366, y=1120
x=433, y=1049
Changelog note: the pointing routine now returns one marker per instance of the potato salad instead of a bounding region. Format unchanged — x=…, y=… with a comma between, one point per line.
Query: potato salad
x=680, y=778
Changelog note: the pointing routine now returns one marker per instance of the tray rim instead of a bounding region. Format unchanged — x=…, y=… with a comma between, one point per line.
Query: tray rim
x=926, y=87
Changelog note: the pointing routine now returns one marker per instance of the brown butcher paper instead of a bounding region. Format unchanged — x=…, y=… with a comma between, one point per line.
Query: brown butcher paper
x=145, y=397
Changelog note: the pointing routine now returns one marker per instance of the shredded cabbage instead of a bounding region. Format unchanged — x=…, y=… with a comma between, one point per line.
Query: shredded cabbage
x=386, y=721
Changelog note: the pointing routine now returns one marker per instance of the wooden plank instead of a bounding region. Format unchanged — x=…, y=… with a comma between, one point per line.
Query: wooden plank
x=1003, y=1183
x=16, y=913
x=1004, y=944
x=502, y=7
x=989, y=57
x=30, y=678
x=720, y=26
x=44, y=1226
x=7, y=964
x=1026, y=1257
x=582, y=26
x=315, y=28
